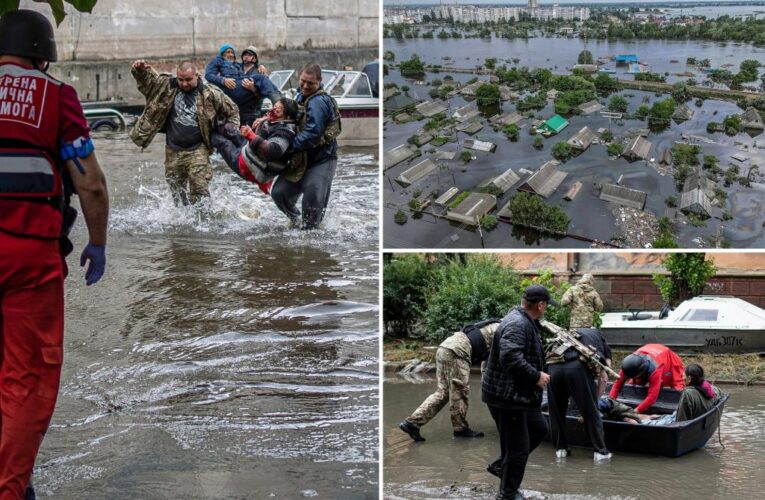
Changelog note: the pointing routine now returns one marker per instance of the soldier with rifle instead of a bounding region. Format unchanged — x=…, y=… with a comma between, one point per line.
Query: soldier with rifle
x=576, y=359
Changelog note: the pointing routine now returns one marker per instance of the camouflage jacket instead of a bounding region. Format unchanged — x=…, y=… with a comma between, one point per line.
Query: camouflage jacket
x=584, y=301
x=160, y=90
x=459, y=343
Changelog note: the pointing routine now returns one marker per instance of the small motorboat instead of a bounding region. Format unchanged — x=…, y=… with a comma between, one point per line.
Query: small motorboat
x=359, y=109
x=671, y=440
x=712, y=324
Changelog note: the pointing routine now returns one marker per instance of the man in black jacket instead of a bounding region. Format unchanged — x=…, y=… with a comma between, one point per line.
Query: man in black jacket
x=512, y=388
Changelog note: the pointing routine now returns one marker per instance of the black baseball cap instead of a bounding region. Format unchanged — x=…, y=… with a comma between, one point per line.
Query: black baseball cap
x=538, y=293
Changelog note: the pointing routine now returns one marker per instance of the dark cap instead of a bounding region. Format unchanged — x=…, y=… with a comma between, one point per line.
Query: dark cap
x=538, y=293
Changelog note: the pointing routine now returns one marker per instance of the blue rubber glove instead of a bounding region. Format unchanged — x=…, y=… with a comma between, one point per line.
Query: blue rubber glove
x=97, y=256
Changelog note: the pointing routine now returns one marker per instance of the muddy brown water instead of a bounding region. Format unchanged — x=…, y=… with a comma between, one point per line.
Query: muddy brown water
x=444, y=467
x=222, y=355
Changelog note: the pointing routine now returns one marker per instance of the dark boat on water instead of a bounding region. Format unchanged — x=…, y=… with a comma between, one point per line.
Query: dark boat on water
x=671, y=440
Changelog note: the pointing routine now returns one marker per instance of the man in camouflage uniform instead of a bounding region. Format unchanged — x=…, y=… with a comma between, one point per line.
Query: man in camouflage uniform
x=186, y=110
x=584, y=301
x=453, y=359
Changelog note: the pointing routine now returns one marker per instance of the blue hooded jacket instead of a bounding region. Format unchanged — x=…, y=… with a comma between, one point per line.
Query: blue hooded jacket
x=319, y=113
x=218, y=69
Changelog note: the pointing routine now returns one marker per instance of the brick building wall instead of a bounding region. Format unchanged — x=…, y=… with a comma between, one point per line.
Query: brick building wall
x=620, y=292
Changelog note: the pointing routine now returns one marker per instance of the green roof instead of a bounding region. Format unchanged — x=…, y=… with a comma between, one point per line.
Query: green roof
x=556, y=124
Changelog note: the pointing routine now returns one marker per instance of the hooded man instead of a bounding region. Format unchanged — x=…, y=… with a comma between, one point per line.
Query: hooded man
x=584, y=301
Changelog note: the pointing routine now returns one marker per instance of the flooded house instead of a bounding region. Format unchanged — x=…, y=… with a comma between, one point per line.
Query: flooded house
x=590, y=107
x=430, y=108
x=637, y=149
x=544, y=181
x=394, y=156
x=505, y=119
x=417, y=172
x=472, y=208
x=553, y=126
x=623, y=196
x=682, y=113
x=582, y=139
x=501, y=183
x=752, y=120
x=476, y=145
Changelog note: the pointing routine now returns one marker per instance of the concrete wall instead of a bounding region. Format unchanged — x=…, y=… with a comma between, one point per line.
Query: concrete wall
x=117, y=29
x=105, y=80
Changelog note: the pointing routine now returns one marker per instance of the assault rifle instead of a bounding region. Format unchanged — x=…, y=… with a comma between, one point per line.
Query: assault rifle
x=568, y=340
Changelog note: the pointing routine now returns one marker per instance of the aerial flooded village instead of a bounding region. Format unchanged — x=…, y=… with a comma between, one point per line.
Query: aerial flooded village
x=569, y=126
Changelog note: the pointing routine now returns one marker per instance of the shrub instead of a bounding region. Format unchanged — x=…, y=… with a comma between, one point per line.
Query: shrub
x=466, y=156
x=489, y=222
x=615, y=149
x=412, y=67
x=618, y=104
x=400, y=218
x=607, y=136
x=531, y=210
x=405, y=279
x=459, y=294
x=689, y=273
x=538, y=143
x=561, y=150
x=487, y=94
x=512, y=131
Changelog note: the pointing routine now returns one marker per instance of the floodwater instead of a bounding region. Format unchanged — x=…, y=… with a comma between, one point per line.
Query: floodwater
x=222, y=355
x=558, y=54
x=443, y=467
x=590, y=216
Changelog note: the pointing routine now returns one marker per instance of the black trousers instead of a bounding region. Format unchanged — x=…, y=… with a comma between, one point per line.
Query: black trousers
x=573, y=379
x=229, y=149
x=520, y=432
x=315, y=187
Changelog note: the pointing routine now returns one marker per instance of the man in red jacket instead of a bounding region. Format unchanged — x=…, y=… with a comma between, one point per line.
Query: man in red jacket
x=46, y=155
x=652, y=364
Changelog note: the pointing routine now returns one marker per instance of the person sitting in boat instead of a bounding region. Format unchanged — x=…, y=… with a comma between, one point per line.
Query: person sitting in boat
x=698, y=396
x=259, y=155
x=652, y=364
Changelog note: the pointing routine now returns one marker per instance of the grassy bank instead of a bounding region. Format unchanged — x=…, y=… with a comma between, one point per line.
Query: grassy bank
x=739, y=368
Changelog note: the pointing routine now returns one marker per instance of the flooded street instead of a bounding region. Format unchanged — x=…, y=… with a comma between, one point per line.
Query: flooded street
x=443, y=467
x=222, y=355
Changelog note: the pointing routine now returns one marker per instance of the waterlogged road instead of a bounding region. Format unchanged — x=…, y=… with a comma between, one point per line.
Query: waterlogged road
x=443, y=467
x=222, y=355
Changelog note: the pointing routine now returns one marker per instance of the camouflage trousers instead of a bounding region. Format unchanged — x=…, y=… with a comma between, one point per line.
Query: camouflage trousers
x=188, y=174
x=452, y=374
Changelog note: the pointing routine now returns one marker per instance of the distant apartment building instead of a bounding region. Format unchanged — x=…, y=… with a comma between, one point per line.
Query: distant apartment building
x=476, y=14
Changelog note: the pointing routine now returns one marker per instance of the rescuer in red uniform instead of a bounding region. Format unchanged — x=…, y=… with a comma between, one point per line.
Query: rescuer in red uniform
x=46, y=155
x=652, y=364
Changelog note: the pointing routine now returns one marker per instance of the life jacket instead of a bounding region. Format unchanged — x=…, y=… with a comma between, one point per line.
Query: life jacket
x=299, y=160
x=479, y=351
x=31, y=186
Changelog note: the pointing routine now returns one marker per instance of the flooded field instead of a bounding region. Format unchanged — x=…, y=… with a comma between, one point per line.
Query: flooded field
x=222, y=355
x=736, y=222
x=443, y=467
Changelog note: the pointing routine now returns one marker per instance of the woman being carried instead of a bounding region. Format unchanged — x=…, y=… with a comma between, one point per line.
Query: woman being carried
x=261, y=154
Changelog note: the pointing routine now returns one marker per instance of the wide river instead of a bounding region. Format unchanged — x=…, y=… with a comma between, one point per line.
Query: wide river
x=223, y=355
x=444, y=467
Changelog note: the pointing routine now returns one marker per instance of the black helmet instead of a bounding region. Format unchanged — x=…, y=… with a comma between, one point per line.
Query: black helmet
x=634, y=364
x=27, y=33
